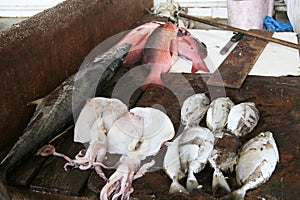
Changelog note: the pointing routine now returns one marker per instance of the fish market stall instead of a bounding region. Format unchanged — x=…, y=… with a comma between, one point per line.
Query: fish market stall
x=55, y=49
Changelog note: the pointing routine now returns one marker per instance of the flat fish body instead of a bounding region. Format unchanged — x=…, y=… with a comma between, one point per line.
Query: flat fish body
x=195, y=147
x=256, y=163
x=217, y=113
x=243, y=118
x=194, y=50
x=194, y=109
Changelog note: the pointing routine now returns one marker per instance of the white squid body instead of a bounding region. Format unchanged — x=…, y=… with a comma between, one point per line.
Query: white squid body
x=193, y=109
x=217, y=114
x=136, y=135
x=95, y=119
x=256, y=163
x=195, y=147
x=242, y=118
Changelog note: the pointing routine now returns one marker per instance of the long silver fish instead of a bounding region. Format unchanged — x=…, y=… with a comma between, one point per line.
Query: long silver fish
x=55, y=111
x=256, y=163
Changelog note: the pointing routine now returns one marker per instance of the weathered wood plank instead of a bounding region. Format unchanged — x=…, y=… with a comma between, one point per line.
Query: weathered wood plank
x=235, y=68
x=52, y=177
x=23, y=175
x=25, y=194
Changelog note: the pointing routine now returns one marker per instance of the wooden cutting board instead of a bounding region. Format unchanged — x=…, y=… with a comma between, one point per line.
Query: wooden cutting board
x=235, y=68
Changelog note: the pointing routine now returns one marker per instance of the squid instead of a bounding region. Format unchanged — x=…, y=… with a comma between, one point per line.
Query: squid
x=94, y=121
x=136, y=135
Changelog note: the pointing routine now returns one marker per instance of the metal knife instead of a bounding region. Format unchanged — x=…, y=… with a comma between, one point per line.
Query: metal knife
x=234, y=39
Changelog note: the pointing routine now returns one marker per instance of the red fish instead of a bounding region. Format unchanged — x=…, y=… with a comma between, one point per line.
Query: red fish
x=160, y=53
x=193, y=50
x=137, y=37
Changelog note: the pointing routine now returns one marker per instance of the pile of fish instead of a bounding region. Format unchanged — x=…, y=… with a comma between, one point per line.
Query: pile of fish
x=220, y=146
x=156, y=44
x=109, y=127
x=142, y=131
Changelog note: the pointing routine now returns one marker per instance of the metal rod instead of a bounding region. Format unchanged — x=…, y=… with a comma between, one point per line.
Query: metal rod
x=245, y=32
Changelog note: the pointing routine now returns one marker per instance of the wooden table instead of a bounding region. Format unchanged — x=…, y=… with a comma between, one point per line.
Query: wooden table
x=277, y=99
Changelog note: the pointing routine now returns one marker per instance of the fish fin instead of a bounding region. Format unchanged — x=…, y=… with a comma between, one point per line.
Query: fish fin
x=132, y=57
x=219, y=181
x=35, y=102
x=152, y=81
x=176, y=187
x=197, y=67
x=236, y=195
x=191, y=183
x=180, y=175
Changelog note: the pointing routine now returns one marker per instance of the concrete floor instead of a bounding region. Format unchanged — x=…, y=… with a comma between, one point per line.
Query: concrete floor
x=8, y=22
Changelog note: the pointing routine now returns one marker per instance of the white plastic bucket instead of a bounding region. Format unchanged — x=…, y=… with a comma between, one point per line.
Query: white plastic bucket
x=248, y=14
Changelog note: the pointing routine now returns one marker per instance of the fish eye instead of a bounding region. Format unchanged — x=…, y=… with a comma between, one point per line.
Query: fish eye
x=262, y=134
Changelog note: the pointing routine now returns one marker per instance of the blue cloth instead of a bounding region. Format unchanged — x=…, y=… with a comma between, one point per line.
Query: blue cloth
x=274, y=25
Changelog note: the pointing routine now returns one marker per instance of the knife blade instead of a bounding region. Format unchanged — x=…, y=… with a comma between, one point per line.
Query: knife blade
x=233, y=39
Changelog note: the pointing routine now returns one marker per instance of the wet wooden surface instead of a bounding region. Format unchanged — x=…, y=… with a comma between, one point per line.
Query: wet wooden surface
x=237, y=65
x=277, y=99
